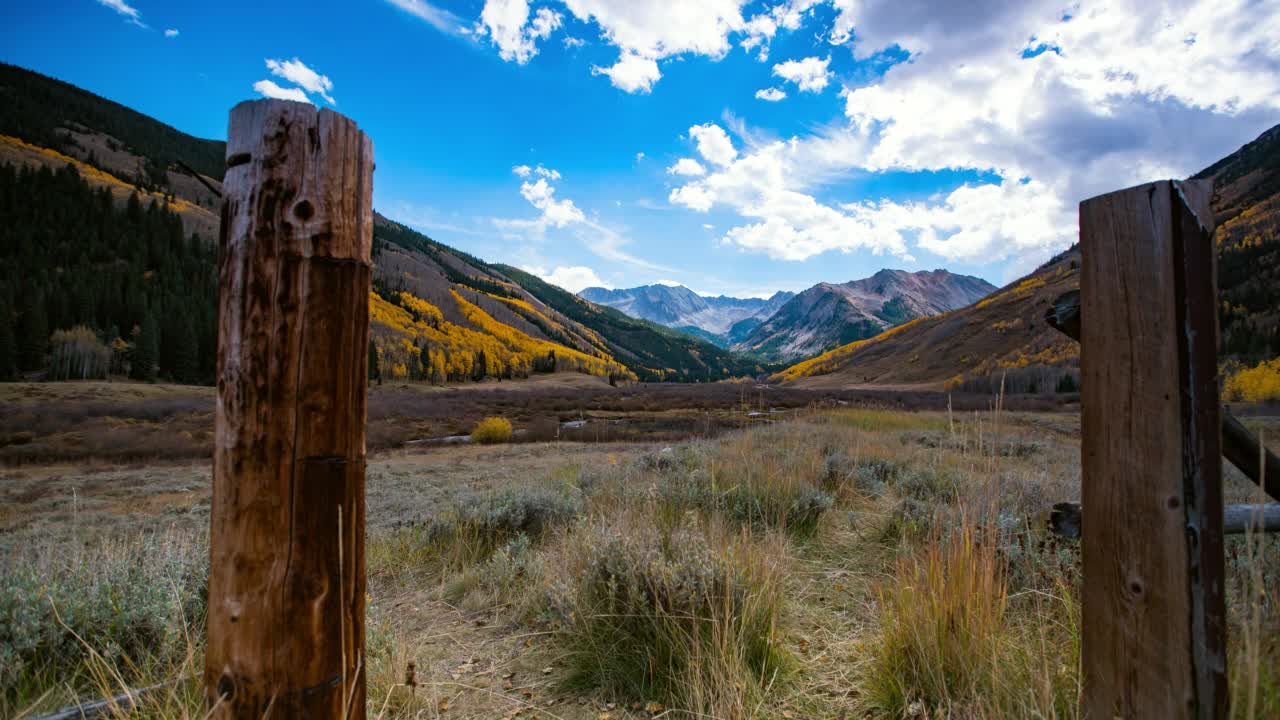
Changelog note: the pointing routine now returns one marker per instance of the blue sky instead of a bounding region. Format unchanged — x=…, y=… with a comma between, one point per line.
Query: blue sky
x=630, y=141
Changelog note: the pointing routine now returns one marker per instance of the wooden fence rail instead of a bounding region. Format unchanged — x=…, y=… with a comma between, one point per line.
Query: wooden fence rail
x=1239, y=445
x=1067, y=518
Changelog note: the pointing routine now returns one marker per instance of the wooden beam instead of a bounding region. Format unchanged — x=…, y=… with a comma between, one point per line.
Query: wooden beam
x=1065, y=519
x=1239, y=445
x=1245, y=451
x=287, y=574
x=1153, y=637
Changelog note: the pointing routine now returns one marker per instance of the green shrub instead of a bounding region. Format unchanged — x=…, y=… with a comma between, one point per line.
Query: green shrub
x=909, y=519
x=688, y=616
x=928, y=484
x=790, y=505
x=491, y=431
x=474, y=528
x=132, y=603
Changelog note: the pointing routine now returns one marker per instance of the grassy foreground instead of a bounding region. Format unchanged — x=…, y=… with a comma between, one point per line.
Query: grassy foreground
x=846, y=563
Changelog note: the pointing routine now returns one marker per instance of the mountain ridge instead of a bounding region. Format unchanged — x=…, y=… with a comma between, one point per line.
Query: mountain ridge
x=828, y=315
x=677, y=306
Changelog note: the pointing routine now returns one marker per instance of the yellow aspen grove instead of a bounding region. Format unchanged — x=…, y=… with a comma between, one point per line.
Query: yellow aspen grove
x=485, y=348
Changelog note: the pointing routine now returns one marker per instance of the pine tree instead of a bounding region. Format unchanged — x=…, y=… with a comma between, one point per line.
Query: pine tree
x=146, y=351
x=8, y=346
x=33, y=334
x=479, y=368
x=375, y=372
x=186, y=354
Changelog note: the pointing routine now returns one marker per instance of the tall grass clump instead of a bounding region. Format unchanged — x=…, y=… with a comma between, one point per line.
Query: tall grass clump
x=491, y=431
x=769, y=479
x=77, y=622
x=687, y=616
x=942, y=619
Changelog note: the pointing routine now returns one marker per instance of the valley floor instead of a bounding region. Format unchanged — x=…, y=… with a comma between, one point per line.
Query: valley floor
x=824, y=562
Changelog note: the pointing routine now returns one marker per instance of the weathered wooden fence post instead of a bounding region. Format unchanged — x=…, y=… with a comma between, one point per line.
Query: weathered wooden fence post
x=287, y=573
x=1154, y=636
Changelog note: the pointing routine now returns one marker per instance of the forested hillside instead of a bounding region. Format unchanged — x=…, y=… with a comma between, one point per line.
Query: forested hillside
x=470, y=293
x=91, y=287
x=108, y=222
x=51, y=113
x=1247, y=210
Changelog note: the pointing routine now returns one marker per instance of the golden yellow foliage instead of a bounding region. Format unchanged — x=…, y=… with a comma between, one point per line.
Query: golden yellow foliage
x=1255, y=384
x=118, y=187
x=423, y=345
x=491, y=430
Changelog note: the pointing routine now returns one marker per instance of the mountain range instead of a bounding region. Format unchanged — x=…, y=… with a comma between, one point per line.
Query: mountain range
x=722, y=319
x=828, y=315
x=789, y=327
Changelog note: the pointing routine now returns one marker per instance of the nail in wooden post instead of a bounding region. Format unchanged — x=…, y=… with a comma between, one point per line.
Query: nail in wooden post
x=1154, y=637
x=287, y=573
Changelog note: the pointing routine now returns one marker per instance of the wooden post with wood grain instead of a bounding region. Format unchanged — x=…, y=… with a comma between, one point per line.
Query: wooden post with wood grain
x=287, y=571
x=1153, y=626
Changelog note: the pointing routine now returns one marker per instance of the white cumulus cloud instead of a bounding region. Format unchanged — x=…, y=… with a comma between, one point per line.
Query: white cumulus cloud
x=646, y=31
x=1050, y=108
x=171, y=33
x=269, y=89
x=633, y=73
x=508, y=24
x=810, y=74
x=688, y=167
x=771, y=94
x=574, y=278
x=713, y=143
x=555, y=213
x=297, y=72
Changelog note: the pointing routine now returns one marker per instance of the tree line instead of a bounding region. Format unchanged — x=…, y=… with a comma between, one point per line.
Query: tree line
x=90, y=288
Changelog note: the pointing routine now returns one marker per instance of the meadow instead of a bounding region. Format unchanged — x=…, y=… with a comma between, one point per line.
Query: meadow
x=875, y=556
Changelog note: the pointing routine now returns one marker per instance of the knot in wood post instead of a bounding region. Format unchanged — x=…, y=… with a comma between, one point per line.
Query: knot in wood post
x=287, y=572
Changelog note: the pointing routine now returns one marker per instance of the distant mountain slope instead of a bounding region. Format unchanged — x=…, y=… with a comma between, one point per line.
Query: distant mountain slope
x=48, y=123
x=1002, y=331
x=652, y=351
x=1004, y=335
x=50, y=113
x=440, y=314
x=677, y=306
x=1247, y=210
x=828, y=315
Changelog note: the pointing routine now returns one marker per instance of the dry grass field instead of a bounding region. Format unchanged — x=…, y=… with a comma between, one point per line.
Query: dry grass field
x=826, y=562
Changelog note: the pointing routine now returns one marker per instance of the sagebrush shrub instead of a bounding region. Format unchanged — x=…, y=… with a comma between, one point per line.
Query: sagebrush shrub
x=132, y=604
x=475, y=526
